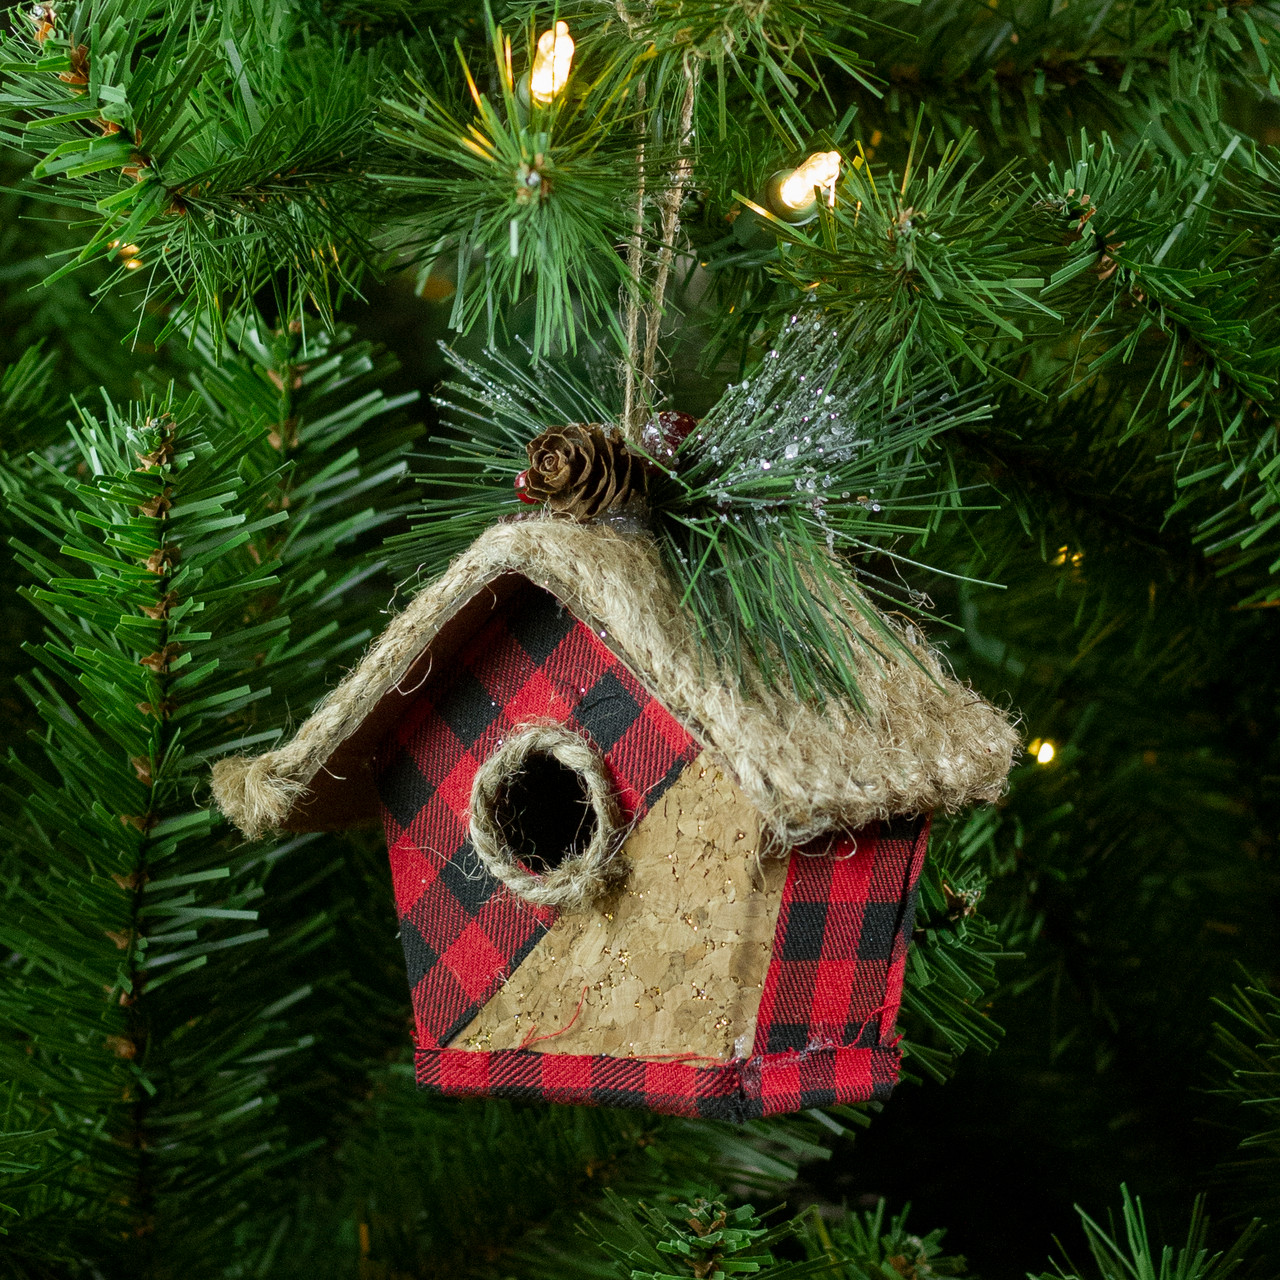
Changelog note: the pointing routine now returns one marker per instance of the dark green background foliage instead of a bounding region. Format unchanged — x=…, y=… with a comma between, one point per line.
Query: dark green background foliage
x=233, y=234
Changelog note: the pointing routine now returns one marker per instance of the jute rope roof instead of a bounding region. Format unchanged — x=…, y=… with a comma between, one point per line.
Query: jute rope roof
x=922, y=742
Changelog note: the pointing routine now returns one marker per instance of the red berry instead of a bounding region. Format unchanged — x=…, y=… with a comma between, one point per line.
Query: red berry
x=522, y=489
x=675, y=426
x=666, y=432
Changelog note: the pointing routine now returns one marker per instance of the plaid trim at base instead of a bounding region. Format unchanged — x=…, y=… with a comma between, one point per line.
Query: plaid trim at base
x=743, y=1089
x=463, y=931
x=840, y=949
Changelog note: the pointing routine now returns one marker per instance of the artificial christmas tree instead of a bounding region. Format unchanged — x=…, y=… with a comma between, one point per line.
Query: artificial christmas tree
x=1030, y=255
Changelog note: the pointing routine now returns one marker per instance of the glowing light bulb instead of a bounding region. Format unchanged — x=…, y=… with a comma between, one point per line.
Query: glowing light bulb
x=820, y=170
x=551, y=63
x=1045, y=752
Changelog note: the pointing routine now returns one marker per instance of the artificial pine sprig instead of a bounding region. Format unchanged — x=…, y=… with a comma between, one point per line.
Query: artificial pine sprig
x=1155, y=265
x=702, y=1239
x=864, y=1246
x=422, y=1181
x=796, y=470
x=27, y=1167
x=1026, y=78
x=334, y=447
x=121, y=893
x=1120, y=1254
x=935, y=263
x=951, y=966
x=799, y=469
x=26, y=398
x=787, y=40
x=1248, y=1048
x=495, y=406
x=187, y=531
x=324, y=416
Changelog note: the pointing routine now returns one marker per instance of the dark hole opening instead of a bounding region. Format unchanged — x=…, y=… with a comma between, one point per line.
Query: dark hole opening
x=545, y=814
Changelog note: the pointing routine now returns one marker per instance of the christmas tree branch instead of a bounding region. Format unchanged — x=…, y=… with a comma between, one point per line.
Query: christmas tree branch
x=951, y=968
x=1133, y=1254
x=1248, y=1048
x=1026, y=80
x=207, y=174
x=420, y=1179
x=190, y=903
x=128, y=890
x=532, y=196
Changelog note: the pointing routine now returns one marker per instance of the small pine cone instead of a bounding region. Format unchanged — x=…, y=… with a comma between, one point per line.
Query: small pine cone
x=583, y=470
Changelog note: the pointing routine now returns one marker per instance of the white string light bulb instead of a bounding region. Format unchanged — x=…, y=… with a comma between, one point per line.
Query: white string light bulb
x=551, y=63
x=791, y=193
x=820, y=170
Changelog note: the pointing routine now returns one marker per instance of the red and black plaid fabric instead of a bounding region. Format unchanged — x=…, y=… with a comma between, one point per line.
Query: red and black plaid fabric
x=840, y=950
x=825, y=1029
x=742, y=1089
x=463, y=931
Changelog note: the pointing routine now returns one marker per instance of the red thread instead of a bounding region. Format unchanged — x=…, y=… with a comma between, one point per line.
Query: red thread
x=530, y=1038
x=820, y=1041
x=877, y=1012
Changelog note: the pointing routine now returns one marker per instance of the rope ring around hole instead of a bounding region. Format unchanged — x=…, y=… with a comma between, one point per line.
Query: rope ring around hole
x=577, y=881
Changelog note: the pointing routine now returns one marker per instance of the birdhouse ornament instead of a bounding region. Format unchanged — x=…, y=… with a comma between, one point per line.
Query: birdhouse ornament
x=635, y=865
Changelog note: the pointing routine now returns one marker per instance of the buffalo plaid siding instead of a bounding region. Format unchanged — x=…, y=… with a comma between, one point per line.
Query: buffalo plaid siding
x=463, y=931
x=839, y=953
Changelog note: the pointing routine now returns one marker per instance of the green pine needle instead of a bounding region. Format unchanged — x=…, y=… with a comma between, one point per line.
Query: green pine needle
x=1130, y=1255
x=207, y=164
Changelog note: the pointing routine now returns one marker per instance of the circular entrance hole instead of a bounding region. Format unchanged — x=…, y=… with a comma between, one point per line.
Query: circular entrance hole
x=544, y=814
x=545, y=820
